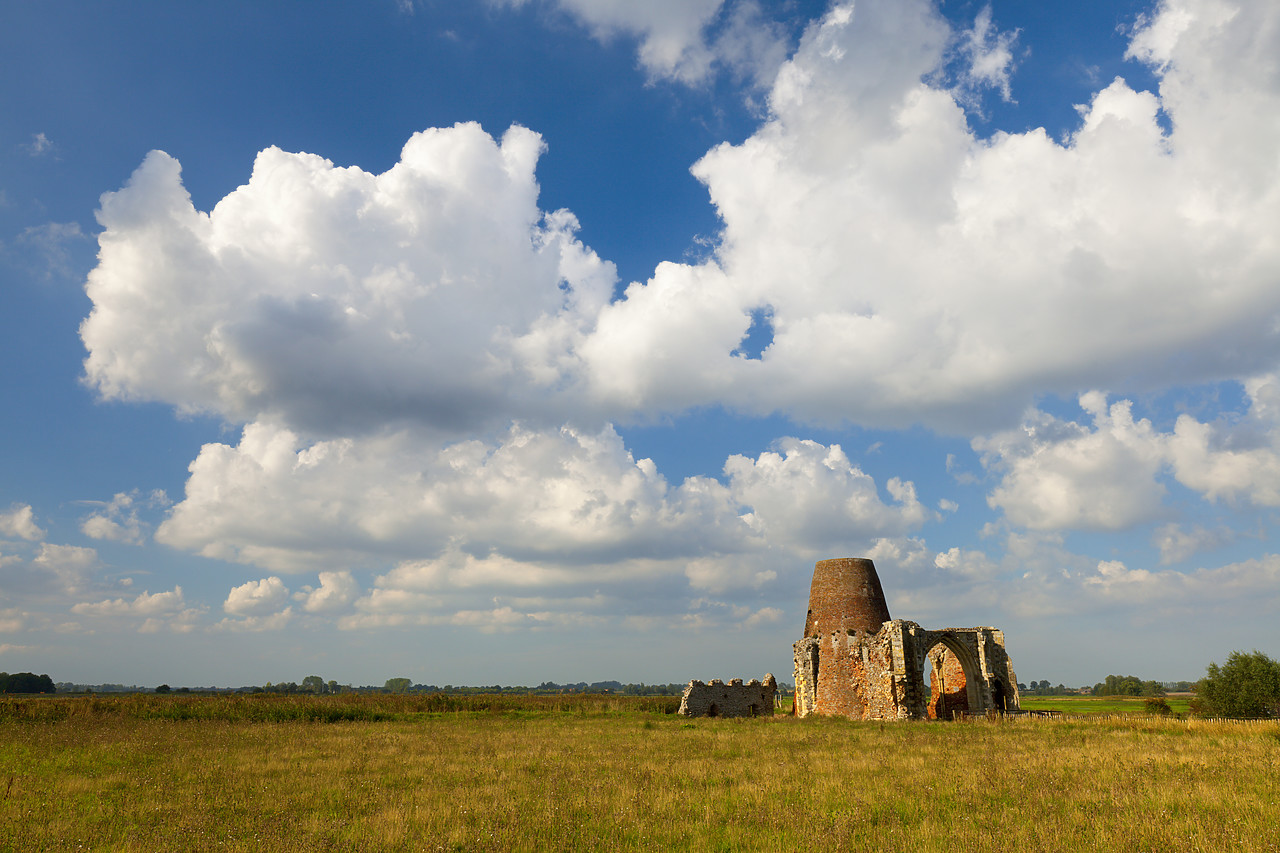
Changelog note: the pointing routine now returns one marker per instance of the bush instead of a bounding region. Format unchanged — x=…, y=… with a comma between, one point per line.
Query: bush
x=1246, y=686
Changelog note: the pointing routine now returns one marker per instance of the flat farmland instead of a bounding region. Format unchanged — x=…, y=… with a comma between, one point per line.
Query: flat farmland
x=1179, y=704
x=406, y=773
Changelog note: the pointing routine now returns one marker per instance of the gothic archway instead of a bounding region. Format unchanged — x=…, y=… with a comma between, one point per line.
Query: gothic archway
x=952, y=679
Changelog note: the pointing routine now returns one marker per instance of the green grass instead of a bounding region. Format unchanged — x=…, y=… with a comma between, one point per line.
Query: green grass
x=147, y=774
x=1099, y=704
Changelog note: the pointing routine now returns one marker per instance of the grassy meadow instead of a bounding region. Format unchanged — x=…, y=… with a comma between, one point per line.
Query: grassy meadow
x=614, y=773
x=1100, y=704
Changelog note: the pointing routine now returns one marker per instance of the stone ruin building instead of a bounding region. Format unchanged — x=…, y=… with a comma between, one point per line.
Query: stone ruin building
x=735, y=699
x=854, y=661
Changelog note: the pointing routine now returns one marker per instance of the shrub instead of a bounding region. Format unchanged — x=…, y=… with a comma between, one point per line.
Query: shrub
x=1247, y=685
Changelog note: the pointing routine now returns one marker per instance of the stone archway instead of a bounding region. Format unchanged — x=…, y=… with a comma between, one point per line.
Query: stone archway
x=952, y=680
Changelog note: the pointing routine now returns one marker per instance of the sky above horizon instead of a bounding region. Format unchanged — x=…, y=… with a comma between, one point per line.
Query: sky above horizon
x=508, y=341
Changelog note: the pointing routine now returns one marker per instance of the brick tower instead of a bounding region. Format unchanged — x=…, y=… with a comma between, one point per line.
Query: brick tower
x=845, y=596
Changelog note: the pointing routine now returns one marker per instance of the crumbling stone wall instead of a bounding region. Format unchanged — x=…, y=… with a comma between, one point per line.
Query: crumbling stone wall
x=851, y=665
x=735, y=699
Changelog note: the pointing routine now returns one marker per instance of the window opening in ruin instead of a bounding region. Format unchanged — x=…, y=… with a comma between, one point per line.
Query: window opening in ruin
x=813, y=655
x=998, y=695
x=714, y=710
x=947, y=681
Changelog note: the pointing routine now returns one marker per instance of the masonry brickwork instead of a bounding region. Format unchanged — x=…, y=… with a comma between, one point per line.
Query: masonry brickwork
x=854, y=661
x=735, y=699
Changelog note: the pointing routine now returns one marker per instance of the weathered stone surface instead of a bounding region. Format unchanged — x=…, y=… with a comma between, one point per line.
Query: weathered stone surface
x=846, y=666
x=735, y=699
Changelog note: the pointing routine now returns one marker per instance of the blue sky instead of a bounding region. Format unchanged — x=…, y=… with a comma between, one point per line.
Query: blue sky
x=521, y=340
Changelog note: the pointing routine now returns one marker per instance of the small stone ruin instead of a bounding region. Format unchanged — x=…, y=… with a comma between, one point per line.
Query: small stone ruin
x=735, y=699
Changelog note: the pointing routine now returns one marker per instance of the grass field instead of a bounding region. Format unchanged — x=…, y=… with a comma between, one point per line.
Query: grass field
x=392, y=773
x=1099, y=704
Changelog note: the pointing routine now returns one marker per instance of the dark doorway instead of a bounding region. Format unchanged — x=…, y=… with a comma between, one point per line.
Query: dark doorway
x=948, y=684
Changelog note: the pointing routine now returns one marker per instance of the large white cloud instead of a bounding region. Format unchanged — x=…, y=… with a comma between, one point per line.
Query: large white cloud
x=332, y=298
x=910, y=270
x=551, y=507
x=913, y=271
x=1058, y=474
x=1064, y=475
x=362, y=326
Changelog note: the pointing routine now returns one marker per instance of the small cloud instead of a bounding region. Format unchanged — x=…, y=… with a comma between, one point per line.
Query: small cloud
x=988, y=54
x=20, y=521
x=254, y=624
x=117, y=520
x=763, y=616
x=53, y=247
x=1176, y=543
x=161, y=611
x=964, y=478
x=337, y=590
x=70, y=564
x=40, y=146
x=256, y=598
x=12, y=621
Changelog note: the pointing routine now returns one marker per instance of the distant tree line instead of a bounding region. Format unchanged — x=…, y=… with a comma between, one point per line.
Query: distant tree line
x=26, y=682
x=1128, y=685
x=1044, y=688
x=314, y=684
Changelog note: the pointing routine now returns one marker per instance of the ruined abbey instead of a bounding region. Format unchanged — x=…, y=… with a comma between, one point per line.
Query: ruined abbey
x=854, y=661
x=735, y=699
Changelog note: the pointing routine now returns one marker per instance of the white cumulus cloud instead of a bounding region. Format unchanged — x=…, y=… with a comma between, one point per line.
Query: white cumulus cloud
x=425, y=363
x=256, y=598
x=1110, y=475
x=20, y=520
x=336, y=591
x=117, y=520
x=336, y=299
x=910, y=270
x=564, y=511
x=150, y=612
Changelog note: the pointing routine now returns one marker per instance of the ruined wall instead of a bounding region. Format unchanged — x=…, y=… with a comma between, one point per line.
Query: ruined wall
x=852, y=663
x=806, y=673
x=855, y=677
x=735, y=699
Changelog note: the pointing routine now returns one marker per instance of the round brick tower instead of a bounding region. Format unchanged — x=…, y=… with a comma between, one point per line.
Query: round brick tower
x=845, y=595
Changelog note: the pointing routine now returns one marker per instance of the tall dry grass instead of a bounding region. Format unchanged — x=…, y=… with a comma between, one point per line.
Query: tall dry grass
x=595, y=777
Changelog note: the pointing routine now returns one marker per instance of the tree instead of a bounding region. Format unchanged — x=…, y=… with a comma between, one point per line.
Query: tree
x=1247, y=685
x=26, y=682
x=398, y=685
x=163, y=688
x=313, y=684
